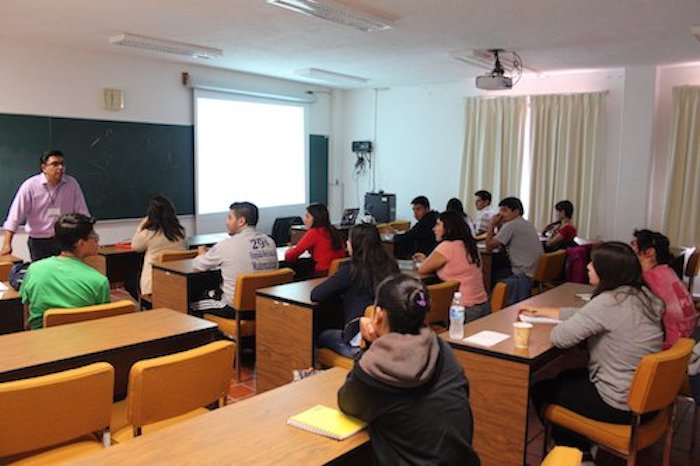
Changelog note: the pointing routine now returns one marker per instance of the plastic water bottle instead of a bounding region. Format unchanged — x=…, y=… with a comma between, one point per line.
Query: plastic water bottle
x=457, y=317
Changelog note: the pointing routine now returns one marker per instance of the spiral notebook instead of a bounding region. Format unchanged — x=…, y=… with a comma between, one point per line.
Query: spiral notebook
x=328, y=422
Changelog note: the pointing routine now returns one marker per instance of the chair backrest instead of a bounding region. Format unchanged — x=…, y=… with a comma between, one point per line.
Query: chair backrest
x=440, y=296
x=58, y=316
x=335, y=265
x=550, y=266
x=400, y=225
x=5, y=268
x=248, y=283
x=176, y=255
x=167, y=386
x=577, y=258
x=563, y=456
x=659, y=376
x=51, y=409
x=498, y=296
x=280, y=229
x=691, y=269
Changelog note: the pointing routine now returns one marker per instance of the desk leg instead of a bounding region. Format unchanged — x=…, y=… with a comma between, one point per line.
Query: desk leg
x=170, y=290
x=498, y=395
x=284, y=341
x=487, y=271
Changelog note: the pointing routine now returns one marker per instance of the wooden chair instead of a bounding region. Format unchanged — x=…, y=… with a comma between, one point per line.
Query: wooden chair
x=326, y=357
x=498, y=296
x=400, y=225
x=563, y=456
x=168, y=389
x=691, y=269
x=53, y=418
x=58, y=316
x=5, y=268
x=335, y=265
x=550, y=269
x=655, y=386
x=243, y=325
x=440, y=296
x=176, y=255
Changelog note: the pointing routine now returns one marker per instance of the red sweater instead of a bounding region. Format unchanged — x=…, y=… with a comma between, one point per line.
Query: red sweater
x=318, y=242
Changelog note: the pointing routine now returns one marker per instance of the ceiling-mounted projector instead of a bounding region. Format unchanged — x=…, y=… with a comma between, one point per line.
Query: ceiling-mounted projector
x=498, y=79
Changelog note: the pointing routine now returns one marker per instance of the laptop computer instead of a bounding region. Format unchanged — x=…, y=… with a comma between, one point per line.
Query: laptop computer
x=349, y=217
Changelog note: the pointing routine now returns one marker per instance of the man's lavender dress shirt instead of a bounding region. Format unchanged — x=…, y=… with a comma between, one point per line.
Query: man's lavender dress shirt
x=36, y=196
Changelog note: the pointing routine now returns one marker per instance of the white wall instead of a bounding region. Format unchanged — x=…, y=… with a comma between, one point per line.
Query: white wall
x=63, y=82
x=420, y=132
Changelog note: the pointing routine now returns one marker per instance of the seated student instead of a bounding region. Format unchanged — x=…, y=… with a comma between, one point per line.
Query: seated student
x=456, y=257
x=560, y=234
x=65, y=281
x=408, y=384
x=246, y=250
x=321, y=239
x=355, y=282
x=159, y=231
x=420, y=238
x=680, y=316
x=456, y=205
x=522, y=244
x=482, y=201
x=620, y=325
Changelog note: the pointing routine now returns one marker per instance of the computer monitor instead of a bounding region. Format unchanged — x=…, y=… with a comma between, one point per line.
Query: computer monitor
x=349, y=216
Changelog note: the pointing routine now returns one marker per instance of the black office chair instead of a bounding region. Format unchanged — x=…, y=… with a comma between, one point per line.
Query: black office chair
x=280, y=229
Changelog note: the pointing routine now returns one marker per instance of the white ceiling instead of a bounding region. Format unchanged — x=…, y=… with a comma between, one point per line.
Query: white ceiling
x=259, y=38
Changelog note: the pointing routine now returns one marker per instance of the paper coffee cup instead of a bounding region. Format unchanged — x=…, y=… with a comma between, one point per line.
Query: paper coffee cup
x=521, y=334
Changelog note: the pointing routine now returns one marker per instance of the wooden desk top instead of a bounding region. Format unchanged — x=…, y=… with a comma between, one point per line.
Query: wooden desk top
x=10, y=258
x=207, y=239
x=8, y=294
x=110, y=250
x=502, y=321
x=38, y=347
x=293, y=293
x=252, y=431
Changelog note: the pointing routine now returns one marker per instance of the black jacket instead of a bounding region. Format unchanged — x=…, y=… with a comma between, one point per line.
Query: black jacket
x=418, y=414
x=420, y=238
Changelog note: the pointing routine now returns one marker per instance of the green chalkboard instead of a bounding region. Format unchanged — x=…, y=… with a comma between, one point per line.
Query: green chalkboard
x=119, y=165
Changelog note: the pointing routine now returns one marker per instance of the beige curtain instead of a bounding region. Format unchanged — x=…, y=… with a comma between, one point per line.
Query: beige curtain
x=493, y=147
x=683, y=213
x=567, y=135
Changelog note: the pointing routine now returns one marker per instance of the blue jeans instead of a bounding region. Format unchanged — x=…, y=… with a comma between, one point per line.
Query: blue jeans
x=333, y=339
x=477, y=311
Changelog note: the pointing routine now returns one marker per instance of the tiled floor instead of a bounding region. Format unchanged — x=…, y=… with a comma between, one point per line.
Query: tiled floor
x=650, y=457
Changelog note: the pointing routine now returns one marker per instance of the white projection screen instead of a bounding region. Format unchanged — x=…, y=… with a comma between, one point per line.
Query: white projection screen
x=248, y=149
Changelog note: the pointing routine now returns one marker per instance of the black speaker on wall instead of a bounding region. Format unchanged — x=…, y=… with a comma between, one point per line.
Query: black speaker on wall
x=381, y=206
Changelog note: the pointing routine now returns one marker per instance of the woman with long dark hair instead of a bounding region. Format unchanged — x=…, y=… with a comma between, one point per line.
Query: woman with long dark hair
x=354, y=282
x=321, y=239
x=560, y=234
x=456, y=205
x=456, y=257
x=160, y=230
x=620, y=325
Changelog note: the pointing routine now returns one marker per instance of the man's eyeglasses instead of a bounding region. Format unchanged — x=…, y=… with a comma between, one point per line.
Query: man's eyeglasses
x=56, y=164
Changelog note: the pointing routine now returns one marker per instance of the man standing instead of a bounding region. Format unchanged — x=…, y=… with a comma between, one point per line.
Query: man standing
x=39, y=202
x=65, y=280
x=246, y=250
x=522, y=243
x=420, y=238
x=482, y=201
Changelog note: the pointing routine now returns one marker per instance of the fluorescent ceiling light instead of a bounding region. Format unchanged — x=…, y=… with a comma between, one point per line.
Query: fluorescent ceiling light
x=332, y=11
x=330, y=76
x=165, y=46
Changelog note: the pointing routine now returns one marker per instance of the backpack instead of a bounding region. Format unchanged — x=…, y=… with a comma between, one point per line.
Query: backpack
x=17, y=274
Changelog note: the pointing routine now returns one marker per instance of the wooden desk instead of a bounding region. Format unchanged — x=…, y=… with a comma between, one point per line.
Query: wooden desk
x=10, y=258
x=208, y=239
x=119, y=264
x=120, y=341
x=284, y=332
x=11, y=311
x=500, y=376
x=252, y=431
x=177, y=283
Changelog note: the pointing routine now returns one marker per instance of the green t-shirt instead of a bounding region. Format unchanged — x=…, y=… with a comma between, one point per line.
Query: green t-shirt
x=62, y=282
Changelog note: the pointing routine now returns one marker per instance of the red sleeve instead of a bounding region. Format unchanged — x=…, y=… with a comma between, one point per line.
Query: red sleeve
x=305, y=243
x=568, y=232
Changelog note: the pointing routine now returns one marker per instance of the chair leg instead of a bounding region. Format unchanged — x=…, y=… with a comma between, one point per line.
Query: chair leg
x=238, y=360
x=546, y=436
x=693, y=429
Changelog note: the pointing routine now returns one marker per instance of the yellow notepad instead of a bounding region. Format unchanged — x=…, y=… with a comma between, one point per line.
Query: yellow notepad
x=327, y=421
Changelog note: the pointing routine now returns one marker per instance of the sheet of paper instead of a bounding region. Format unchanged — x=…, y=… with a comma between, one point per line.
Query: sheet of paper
x=3, y=287
x=584, y=296
x=486, y=338
x=538, y=320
